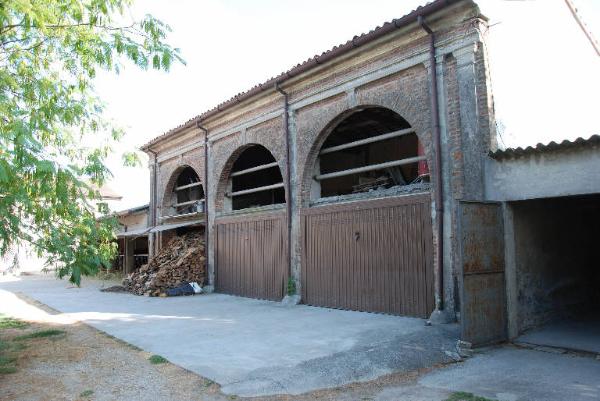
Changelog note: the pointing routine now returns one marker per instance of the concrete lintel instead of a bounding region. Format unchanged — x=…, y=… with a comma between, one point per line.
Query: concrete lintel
x=544, y=175
x=180, y=151
x=246, y=125
x=351, y=96
x=465, y=55
x=394, y=66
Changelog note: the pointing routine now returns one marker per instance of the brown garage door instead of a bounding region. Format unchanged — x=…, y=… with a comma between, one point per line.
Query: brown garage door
x=370, y=256
x=251, y=255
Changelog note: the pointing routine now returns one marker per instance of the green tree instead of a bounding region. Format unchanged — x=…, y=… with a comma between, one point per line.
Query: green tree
x=54, y=139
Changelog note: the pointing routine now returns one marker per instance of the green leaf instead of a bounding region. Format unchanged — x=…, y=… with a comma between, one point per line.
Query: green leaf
x=48, y=60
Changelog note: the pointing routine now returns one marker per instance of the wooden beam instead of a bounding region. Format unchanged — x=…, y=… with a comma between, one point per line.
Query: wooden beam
x=372, y=167
x=365, y=141
x=253, y=190
x=188, y=202
x=253, y=169
x=193, y=184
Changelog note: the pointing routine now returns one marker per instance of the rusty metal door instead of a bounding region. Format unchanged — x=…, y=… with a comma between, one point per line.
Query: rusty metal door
x=371, y=256
x=251, y=254
x=483, y=311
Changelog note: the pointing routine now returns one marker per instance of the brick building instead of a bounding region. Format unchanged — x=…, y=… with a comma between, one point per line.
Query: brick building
x=344, y=180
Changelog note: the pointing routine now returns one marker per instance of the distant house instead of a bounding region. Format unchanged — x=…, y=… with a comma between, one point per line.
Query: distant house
x=132, y=238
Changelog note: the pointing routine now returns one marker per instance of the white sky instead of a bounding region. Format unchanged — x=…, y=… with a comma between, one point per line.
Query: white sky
x=542, y=64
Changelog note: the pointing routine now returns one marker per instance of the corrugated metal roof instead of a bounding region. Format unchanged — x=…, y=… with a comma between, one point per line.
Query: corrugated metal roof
x=133, y=233
x=312, y=62
x=165, y=227
x=540, y=147
x=132, y=210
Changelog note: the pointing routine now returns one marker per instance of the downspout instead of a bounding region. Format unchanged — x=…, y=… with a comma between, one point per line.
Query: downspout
x=288, y=203
x=154, y=182
x=439, y=198
x=205, y=189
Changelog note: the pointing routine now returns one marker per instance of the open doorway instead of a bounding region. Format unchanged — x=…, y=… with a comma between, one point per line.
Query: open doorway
x=558, y=271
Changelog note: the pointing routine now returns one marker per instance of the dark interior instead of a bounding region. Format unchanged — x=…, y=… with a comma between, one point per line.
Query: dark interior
x=360, y=125
x=256, y=155
x=556, y=252
x=188, y=176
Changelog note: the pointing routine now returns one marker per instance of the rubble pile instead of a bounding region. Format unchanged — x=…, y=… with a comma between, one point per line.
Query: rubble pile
x=181, y=260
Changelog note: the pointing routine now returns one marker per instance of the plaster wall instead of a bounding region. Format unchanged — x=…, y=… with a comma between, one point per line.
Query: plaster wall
x=134, y=221
x=568, y=172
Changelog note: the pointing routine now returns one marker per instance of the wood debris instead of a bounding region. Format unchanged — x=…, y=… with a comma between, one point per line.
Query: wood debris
x=182, y=260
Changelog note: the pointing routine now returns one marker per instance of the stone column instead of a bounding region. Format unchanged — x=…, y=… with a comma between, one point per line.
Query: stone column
x=472, y=142
x=129, y=259
x=210, y=207
x=448, y=200
x=152, y=210
x=510, y=272
x=295, y=204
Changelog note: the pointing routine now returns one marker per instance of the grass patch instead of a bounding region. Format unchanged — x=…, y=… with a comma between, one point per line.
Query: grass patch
x=86, y=393
x=157, y=359
x=7, y=360
x=40, y=334
x=7, y=322
x=7, y=364
x=462, y=396
x=6, y=370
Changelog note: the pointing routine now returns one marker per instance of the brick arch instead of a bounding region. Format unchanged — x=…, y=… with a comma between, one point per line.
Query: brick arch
x=173, y=175
x=421, y=128
x=223, y=177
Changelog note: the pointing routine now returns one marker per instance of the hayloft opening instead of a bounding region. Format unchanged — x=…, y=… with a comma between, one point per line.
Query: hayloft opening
x=255, y=180
x=188, y=193
x=372, y=149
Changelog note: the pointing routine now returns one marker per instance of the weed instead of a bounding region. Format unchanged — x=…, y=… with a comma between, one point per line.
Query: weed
x=7, y=360
x=7, y=364
x=86, y=394
x=156, y=359
x=7, y=322
x=40, y=334
x=462, y=396
x=291, y=286
x=208, y=382
x=17, y=346
x=5, y=370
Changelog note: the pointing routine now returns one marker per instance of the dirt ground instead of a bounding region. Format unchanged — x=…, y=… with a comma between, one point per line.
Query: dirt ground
x=82, y=363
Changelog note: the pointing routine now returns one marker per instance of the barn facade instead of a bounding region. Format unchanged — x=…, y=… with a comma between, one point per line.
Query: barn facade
x=337, y=181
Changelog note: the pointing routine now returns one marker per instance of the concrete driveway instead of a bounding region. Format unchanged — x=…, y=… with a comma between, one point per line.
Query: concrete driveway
x=252, y=347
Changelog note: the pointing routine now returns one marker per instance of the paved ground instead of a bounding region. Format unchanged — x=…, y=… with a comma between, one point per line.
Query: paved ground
x=514, y=374
x=253, y=347
x=581, y=334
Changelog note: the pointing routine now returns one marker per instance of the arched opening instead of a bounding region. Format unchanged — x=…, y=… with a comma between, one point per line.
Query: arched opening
x=255, y=180
x=370, y=150
x=187, y=194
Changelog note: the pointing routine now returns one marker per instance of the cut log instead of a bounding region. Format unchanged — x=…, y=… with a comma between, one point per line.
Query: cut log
x=181, y=260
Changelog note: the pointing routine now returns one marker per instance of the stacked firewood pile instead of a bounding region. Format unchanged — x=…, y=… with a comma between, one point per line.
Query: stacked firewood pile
x=182, y=260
